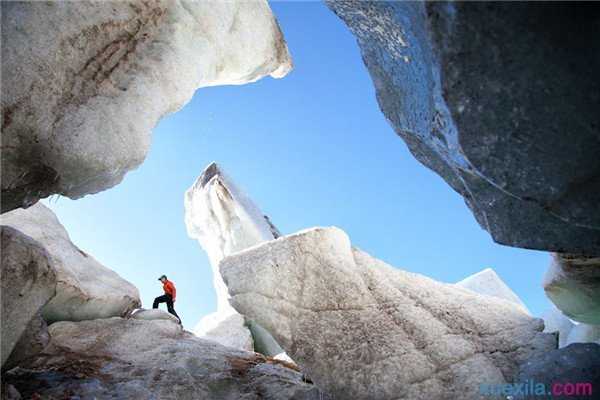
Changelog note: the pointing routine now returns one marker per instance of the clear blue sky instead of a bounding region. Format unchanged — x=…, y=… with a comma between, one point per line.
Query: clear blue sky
x=310, y=149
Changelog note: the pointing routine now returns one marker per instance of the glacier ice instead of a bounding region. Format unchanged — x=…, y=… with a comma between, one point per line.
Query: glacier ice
x=85, y=288
x=224, y=221
x=361, y=329
x=81, y=101
x=489, y=283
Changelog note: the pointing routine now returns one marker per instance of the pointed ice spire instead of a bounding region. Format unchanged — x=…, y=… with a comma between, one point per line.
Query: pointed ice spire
x=225, y=221
x=489, y=283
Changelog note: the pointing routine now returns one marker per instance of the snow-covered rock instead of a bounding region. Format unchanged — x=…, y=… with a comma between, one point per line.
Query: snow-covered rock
x=85, y=82
x=85, y=288
x=556, y=321
x=152, y=314
x=584, y=333
x=503, y=108
x=361, y=329
x=572, y=283
x=224, y=220
x=489, y=283
x=151, y=359
x=28, y=282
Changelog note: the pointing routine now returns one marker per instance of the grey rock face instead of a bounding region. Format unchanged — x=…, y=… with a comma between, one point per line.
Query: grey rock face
x=85, y=82
x=151, y=359
x=28, y=282
x=573, y=284
x=85, y=289
x=502, y=101
x=576, y=363
x=364, y=330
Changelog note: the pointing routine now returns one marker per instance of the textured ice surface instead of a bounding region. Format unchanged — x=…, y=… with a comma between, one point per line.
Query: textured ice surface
x=85, y=82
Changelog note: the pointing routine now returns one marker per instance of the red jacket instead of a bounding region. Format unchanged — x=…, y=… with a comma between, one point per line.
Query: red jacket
x=169, y=288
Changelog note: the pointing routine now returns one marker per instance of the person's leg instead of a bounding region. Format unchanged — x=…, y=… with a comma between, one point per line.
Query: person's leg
x=159, y=299
x=171, y=308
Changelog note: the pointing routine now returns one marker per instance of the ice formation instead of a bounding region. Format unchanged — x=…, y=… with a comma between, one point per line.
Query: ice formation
x=85, y=288
x=224, y=221
x=361, y=329
x=489, y=283
x=80, y=102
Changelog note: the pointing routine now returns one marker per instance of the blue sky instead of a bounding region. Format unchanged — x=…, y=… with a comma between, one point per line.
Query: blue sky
x=311, y=149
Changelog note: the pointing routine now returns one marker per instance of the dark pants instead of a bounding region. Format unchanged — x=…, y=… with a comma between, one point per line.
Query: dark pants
x=166, y=298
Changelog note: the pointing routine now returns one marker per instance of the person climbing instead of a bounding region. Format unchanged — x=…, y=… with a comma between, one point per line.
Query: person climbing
x=168, y=297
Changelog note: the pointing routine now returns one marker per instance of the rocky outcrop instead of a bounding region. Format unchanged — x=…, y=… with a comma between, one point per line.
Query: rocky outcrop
x=28, y=282
x=85, y=288
x=501, y=106
x=573, y=284
x=577, y=364
x=364, y=330
x=224, y=220
x=79, y=103
x=151, y=359
x=488, y=282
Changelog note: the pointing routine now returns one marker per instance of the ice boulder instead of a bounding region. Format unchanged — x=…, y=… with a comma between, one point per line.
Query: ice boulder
x=85, y=288
x=28, y=283
x=361, y=329
x=85, y=82
x=572, y=283
x=33, y=340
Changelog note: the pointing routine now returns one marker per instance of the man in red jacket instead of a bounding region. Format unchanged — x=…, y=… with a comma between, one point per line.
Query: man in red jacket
x=168, y=297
